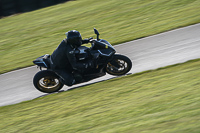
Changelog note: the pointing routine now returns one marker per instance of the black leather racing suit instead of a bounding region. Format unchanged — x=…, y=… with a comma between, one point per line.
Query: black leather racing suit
x=63, y=61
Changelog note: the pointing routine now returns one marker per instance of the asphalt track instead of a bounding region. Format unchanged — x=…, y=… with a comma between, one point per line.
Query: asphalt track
x=149, y=53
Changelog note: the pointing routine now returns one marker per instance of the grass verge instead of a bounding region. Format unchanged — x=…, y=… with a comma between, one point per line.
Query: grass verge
x=26, y=36
x=159, y=101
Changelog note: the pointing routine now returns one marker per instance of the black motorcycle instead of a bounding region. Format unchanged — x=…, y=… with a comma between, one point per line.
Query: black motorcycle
x=101, y=51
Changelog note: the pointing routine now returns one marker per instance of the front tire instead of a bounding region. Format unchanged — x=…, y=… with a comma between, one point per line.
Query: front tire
x=120, y=65
x=47, y=81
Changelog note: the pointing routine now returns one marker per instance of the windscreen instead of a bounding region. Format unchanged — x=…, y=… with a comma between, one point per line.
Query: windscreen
x=106, y=42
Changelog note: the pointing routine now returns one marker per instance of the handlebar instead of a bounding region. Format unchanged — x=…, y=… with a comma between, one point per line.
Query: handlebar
x=98, y=44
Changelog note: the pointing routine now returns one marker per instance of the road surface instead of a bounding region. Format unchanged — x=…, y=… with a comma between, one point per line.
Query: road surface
x=148, y=53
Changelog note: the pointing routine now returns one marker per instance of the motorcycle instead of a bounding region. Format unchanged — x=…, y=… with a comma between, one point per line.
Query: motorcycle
x=106, y=60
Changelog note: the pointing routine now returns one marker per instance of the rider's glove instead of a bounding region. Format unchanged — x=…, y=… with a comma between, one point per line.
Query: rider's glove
x=91, y=40
x=86, y=40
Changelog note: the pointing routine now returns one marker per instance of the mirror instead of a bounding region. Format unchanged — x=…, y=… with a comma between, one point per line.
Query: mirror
x=96, y=31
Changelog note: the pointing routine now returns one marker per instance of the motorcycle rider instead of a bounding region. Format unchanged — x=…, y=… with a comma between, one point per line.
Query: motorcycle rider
x=63, y=59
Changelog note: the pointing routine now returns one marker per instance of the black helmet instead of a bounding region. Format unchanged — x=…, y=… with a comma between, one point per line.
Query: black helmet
x=74, y=38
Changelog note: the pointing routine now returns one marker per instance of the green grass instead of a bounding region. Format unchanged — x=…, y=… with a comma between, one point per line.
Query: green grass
x=23, y=37
x=160, y=101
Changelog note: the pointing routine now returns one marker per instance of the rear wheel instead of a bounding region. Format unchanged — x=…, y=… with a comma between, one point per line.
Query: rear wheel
x=47, y=81
x=120, y=65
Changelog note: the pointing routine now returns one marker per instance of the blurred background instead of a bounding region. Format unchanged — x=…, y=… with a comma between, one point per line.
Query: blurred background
x=9, y=7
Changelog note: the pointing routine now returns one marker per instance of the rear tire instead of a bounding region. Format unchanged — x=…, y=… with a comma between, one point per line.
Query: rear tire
x=120, y=65
x=47, y=81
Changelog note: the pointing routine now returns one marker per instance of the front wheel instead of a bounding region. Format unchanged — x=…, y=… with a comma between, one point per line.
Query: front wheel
x=120, y=65
x=47, y=81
